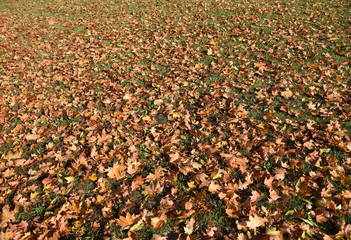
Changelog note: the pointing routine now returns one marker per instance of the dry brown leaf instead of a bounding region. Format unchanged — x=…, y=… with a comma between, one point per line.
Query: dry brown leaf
x=255, y=222
x=6, y=216
x=32, y=137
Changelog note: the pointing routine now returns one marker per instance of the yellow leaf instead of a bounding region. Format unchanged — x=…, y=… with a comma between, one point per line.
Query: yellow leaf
x=191, y=185
x=69, y=179
x=340, y=133
x=272, y=231
x=176, y=115
x=11, y=156
x=146, y=118
x=99, y=199
x=137, y=226
x=129, y=218
x=209, y=51
x=198, y=65
x=189, y=228
x=212, y=42
x=33, y=196
x=47, y=188
x=126, y=221
x=93, y=177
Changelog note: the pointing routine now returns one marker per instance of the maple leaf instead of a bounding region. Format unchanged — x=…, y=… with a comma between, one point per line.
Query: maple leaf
x=126, y=221
x=287, y=94
x=6, y=216
x=236, y=161
x=153, y=189
x=137, y=182
x=133, y=167
x=309, y=145
x=117, y=171
x=157, y=175
x=8, y=235
x=255, y=222
x=203, y=178
x=279, y=173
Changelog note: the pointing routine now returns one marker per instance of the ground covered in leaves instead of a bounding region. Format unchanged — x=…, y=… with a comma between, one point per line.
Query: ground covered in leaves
x=196, y=119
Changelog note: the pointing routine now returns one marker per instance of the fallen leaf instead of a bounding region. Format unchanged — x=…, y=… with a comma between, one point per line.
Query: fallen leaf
x=126, y=221
x=93, y=177
x=189, y=227
x=32, y=137
x=69, y=179
x=287, y=94
x=6, y=216
x=255, y=222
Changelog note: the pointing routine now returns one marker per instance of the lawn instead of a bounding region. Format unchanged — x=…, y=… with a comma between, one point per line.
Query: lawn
x=196, y=119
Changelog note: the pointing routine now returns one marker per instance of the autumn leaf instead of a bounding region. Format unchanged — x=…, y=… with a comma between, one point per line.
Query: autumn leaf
x=261, y=66
x=69, y=179
x=32, y=137
x=126, y=221
x=6, y=216
x=93, y=177
x=287, y=94
x=255, y=222
x=117, y=171
x=157, y=222
x=189, y=227
x=214, y=188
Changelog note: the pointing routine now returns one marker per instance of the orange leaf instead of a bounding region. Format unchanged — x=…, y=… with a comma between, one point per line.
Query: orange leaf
x=126, y=221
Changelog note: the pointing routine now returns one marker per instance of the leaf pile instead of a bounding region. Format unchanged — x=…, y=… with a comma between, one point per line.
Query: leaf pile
x=199, y=119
